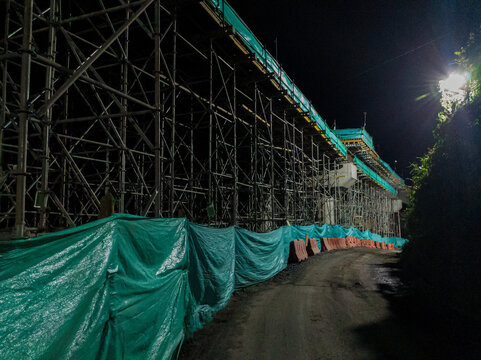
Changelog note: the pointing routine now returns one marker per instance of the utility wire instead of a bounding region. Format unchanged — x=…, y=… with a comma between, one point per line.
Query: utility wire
x=385, y=62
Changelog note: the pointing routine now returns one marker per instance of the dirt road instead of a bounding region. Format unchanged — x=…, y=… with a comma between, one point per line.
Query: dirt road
x=333, y=306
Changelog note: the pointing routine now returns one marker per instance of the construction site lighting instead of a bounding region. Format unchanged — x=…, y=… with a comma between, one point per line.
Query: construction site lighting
x=453, y=88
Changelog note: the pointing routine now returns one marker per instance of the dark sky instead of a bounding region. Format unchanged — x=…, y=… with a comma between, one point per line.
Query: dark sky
x=374, y=56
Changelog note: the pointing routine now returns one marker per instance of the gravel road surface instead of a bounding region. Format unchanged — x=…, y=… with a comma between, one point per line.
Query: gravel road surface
x=337, y=305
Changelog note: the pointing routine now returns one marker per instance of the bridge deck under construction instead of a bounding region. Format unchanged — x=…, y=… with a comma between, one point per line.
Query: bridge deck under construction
x=178, y=109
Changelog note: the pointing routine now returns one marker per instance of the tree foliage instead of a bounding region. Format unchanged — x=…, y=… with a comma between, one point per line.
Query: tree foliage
x=443, y=261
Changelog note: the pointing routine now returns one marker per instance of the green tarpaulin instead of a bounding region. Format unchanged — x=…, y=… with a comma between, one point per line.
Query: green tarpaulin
x=116, y=288
x=128, y=287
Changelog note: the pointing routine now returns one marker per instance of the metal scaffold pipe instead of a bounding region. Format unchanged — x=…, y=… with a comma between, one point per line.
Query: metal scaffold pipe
x=175, y=113
x=23, y=115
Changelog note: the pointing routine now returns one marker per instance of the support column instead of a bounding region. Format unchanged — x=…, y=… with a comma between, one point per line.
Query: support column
x=235, y=195
x=3, y=110
x=191, y=162
x=123, y=120
x=172, y=138
x=23, y=115
x=255, y=165
x=293, y=167
x=399, y=224
x=286, y=195
x=317, y=215
x=49, y=82
x=313, y=204
x=210, y=197
x=157, y=116
x=272, y=182
x=303, y=209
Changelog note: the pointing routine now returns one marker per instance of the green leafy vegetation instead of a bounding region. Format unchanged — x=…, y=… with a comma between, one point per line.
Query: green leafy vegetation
x=443, y=260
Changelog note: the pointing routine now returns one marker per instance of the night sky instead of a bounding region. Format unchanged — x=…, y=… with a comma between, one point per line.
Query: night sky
x=380, y=57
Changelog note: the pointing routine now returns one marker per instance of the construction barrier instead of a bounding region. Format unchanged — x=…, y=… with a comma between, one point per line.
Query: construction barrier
x=303, y=249
x=297, y=251
x=365, y=243
x=341, y=244
x=328, y=244
x=312, y=247
x=351, y=241
x=173, y=275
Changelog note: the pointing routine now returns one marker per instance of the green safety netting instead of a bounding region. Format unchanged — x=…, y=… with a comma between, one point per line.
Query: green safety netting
x=260, y=256
x=212, y=270
x=352, y=231
x=362, y=134
x=222, y=260
x=228, y=15
x=377, y=237
x=398, y=242
x=378, y=179
x=313, y=231
x=130, y=287
x=335, y=231
x=386, y=165
x=355, y=134
x=366, y=235
x=115, y=288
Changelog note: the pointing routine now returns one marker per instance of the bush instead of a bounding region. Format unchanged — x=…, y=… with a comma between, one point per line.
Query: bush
x=443, y=260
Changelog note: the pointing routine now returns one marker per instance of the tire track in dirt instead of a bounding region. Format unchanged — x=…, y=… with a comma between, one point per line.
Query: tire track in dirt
x=309, y=311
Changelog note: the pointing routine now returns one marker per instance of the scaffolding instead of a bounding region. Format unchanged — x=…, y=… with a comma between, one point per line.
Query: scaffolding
x=165, y=104
x=360, y=143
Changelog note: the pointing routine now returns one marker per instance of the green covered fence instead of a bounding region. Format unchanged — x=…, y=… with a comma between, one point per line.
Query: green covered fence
x=128, y=287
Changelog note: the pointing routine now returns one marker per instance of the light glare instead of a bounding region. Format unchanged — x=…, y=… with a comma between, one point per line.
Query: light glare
x=453, y=89
x=454, y=83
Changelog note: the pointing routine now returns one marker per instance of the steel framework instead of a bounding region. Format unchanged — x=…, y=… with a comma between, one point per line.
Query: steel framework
x=159, y=101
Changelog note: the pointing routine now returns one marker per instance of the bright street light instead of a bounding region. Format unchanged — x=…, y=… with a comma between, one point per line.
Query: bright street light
x=453, y=89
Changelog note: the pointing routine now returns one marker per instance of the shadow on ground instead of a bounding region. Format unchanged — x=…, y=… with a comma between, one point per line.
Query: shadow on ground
x=414, y=331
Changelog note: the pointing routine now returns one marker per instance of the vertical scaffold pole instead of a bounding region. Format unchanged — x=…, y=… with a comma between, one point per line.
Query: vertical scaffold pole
x=271, y=140
x=303, y=189
x=236, y=168
x=49, y=82
x=399, y=224
x=123, y=128
x=317, y=215
x=211, y=120
x=191, y=178
x=255, y=165
x=3, y=110
x=174, y=98
x=24, y=116
x=295, y=205
x=312, y=203
x=157, y=115
x=285, y=167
